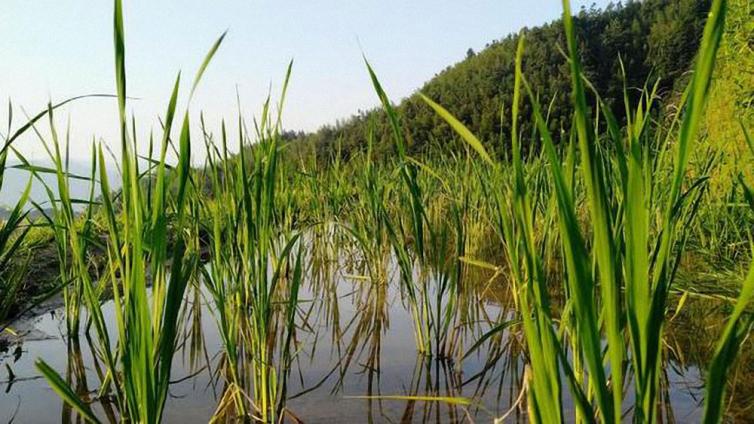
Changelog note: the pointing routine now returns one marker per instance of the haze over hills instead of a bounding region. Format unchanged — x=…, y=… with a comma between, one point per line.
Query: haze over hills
x=15, y=181
x=649, y=40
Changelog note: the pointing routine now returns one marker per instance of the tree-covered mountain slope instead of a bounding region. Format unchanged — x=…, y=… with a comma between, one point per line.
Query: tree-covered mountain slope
x=646, y=40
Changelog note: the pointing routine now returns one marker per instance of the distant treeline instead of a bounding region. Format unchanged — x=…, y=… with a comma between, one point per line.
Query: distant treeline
x=653, y=39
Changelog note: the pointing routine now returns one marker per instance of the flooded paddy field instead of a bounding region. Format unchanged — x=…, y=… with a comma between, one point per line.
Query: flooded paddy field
x=354, y=355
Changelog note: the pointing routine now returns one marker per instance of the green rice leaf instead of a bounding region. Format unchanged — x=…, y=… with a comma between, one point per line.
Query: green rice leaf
x=459, y=128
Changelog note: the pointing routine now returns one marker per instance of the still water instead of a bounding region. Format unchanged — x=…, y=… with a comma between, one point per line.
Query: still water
x=356, y=357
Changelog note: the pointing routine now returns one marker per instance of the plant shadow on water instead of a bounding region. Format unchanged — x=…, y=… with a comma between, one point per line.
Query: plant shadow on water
x=354, y=356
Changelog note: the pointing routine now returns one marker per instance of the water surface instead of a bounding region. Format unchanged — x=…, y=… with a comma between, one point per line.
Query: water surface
x=355, y=346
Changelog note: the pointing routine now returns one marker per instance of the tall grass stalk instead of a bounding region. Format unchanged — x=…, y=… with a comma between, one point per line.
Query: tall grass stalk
x=620, y=250
x=138, y=368
x=13, y=265
x=253, y=284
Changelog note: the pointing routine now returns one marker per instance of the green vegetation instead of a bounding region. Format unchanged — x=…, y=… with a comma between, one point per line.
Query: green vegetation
x=590, y=209
x=253, y=291
x=12, y=234
x=138, y=365
x=654, y=39
x=617, y=182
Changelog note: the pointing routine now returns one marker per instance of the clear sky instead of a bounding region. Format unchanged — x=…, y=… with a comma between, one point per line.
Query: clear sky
x=54, y=49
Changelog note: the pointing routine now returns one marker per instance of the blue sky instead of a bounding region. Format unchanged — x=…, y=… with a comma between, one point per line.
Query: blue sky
x=54, y=49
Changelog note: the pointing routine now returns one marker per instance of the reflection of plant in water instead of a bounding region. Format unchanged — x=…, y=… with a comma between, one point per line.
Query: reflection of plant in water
x=192, y=343
x=370, y=321
x=434, y=394
x=76, y=377
x=435, y=382
x=692, y=336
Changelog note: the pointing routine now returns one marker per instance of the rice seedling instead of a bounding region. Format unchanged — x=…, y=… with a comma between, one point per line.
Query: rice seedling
x=618, y=250
x=736, y=329
x=14, y=256
x=73, y=250
x=12, y=234
x=432, y=301
x=253, y=286
x=371, y=222
x=416, y=215
x=138, y=369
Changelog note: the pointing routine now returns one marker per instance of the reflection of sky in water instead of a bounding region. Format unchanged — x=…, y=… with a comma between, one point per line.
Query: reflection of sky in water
x=401, y=372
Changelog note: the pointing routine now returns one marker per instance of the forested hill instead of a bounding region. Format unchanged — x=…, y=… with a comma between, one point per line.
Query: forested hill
x=653, y=38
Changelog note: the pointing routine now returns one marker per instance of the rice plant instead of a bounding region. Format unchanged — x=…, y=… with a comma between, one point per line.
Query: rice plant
x=432, y=300
x=72, y=249
x=139, y=363
x=736, y=329
x=13, y=262
x=253, y=283
x=620, y=201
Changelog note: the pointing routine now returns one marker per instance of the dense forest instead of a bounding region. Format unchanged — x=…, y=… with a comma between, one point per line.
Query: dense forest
x=649, y=40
